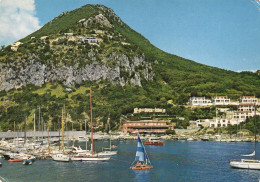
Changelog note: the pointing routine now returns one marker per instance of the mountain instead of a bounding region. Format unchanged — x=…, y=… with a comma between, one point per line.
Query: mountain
x=91, y=46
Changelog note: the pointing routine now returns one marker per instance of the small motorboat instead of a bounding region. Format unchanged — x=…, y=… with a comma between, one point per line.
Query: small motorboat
x=15, y=160
x=89, y=157
x=153, y=141
x=27, y=162
x=113, y=146
x=107, y=152
x=61, y=157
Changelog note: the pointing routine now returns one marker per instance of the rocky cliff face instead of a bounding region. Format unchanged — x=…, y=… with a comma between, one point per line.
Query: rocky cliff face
x=123, y=71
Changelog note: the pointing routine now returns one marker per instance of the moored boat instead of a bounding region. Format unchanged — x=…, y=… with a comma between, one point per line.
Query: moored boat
x=154, y=141
x=89, y=157
x=27, y=162
x=61, y=157
x=107, y=152
x=15, y=160
x=247, y=163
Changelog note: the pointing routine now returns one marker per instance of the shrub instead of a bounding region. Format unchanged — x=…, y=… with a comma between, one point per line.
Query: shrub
x=170, y=132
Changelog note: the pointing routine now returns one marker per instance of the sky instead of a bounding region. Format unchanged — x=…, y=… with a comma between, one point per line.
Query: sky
x=219, y=33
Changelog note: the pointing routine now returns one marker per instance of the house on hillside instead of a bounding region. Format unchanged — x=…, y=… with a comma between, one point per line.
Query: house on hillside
x=248, y=100
x=220, y=100
x=14, y=46
x=44, y=37
x=149, y=110
x=199, y=101
x=89, y=40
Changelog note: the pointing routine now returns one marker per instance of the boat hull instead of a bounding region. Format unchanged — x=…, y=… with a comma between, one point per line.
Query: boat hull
x=6, y=156
x=245, y=165
x=141, y=167
x=153, y=143
x=15, y=160
x=61, y=158
x=107, y=153
x=27, y=162
x=89, y=158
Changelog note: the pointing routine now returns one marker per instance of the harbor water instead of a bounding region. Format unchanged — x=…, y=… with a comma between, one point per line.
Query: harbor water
x=175, y=161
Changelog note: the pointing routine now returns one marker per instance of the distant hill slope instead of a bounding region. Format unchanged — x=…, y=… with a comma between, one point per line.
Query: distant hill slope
x=91, y=46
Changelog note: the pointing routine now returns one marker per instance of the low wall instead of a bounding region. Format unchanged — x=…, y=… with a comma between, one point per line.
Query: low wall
x=31, y=134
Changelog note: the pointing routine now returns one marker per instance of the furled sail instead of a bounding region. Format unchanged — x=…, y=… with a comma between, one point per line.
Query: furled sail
x=253, y=154
x=140, y=153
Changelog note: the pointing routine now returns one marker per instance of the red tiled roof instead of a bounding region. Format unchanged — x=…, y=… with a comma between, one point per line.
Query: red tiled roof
x=243, y=104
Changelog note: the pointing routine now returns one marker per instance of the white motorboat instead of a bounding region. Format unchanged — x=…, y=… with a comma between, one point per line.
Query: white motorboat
x=247, y=163
x=61, y=157
x=107, y=152
x=89, y=157
x=79, y=150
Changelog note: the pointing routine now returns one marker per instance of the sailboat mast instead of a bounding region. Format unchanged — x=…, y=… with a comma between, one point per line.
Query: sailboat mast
x=14, y=137
x=86, y=134
x=34, y=126
x=62, y=129
x=25, y=130
x=48, y=139
x=39, y=122
x=91, y=124
x=109, y=138
x=255, y=131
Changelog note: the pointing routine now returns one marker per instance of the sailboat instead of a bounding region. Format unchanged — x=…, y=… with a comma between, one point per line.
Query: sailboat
x=108, y=151
x=61, y=156
x=247, y=163
x=141, y=158
x=90, y=156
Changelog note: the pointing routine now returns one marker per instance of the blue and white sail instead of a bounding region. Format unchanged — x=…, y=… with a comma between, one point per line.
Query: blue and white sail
x=140, y=152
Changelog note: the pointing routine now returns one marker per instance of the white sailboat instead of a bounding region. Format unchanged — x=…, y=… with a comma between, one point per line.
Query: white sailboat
x=247, y=163
x=61, y=156
x=108, y=151
x=90, y=156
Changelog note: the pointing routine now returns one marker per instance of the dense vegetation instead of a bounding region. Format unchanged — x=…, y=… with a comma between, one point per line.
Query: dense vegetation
x=175, y=80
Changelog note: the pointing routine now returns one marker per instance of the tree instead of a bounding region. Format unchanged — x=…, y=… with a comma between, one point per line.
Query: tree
x=170, y=132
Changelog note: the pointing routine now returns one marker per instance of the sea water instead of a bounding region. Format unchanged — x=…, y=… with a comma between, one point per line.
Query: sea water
x=174, y=161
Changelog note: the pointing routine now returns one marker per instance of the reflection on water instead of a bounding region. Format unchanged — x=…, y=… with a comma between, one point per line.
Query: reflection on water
x=142, y=175
x=175, y=161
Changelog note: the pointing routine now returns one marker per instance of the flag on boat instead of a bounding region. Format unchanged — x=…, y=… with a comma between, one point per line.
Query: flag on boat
x=140, y=153
x=248, y=155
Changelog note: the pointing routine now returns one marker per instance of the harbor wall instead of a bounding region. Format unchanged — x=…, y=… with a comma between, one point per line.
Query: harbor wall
x=31, y=134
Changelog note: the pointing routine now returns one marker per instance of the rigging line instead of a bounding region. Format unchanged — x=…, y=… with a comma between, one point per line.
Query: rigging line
x=4, y=180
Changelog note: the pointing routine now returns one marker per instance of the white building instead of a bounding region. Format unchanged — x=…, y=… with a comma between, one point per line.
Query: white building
x=246, y=107
x=248, y=100
x=199, y=101
x=14, y=46
x=89, y=40
x=241, y=116
x=149, y=110
x=220, y=123
x=44, y=37
x=220, y=100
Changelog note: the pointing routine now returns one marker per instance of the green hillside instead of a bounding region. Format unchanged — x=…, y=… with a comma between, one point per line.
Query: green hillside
x=171, y=82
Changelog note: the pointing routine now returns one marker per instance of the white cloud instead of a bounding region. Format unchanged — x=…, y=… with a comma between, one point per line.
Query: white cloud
x=17, y=20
